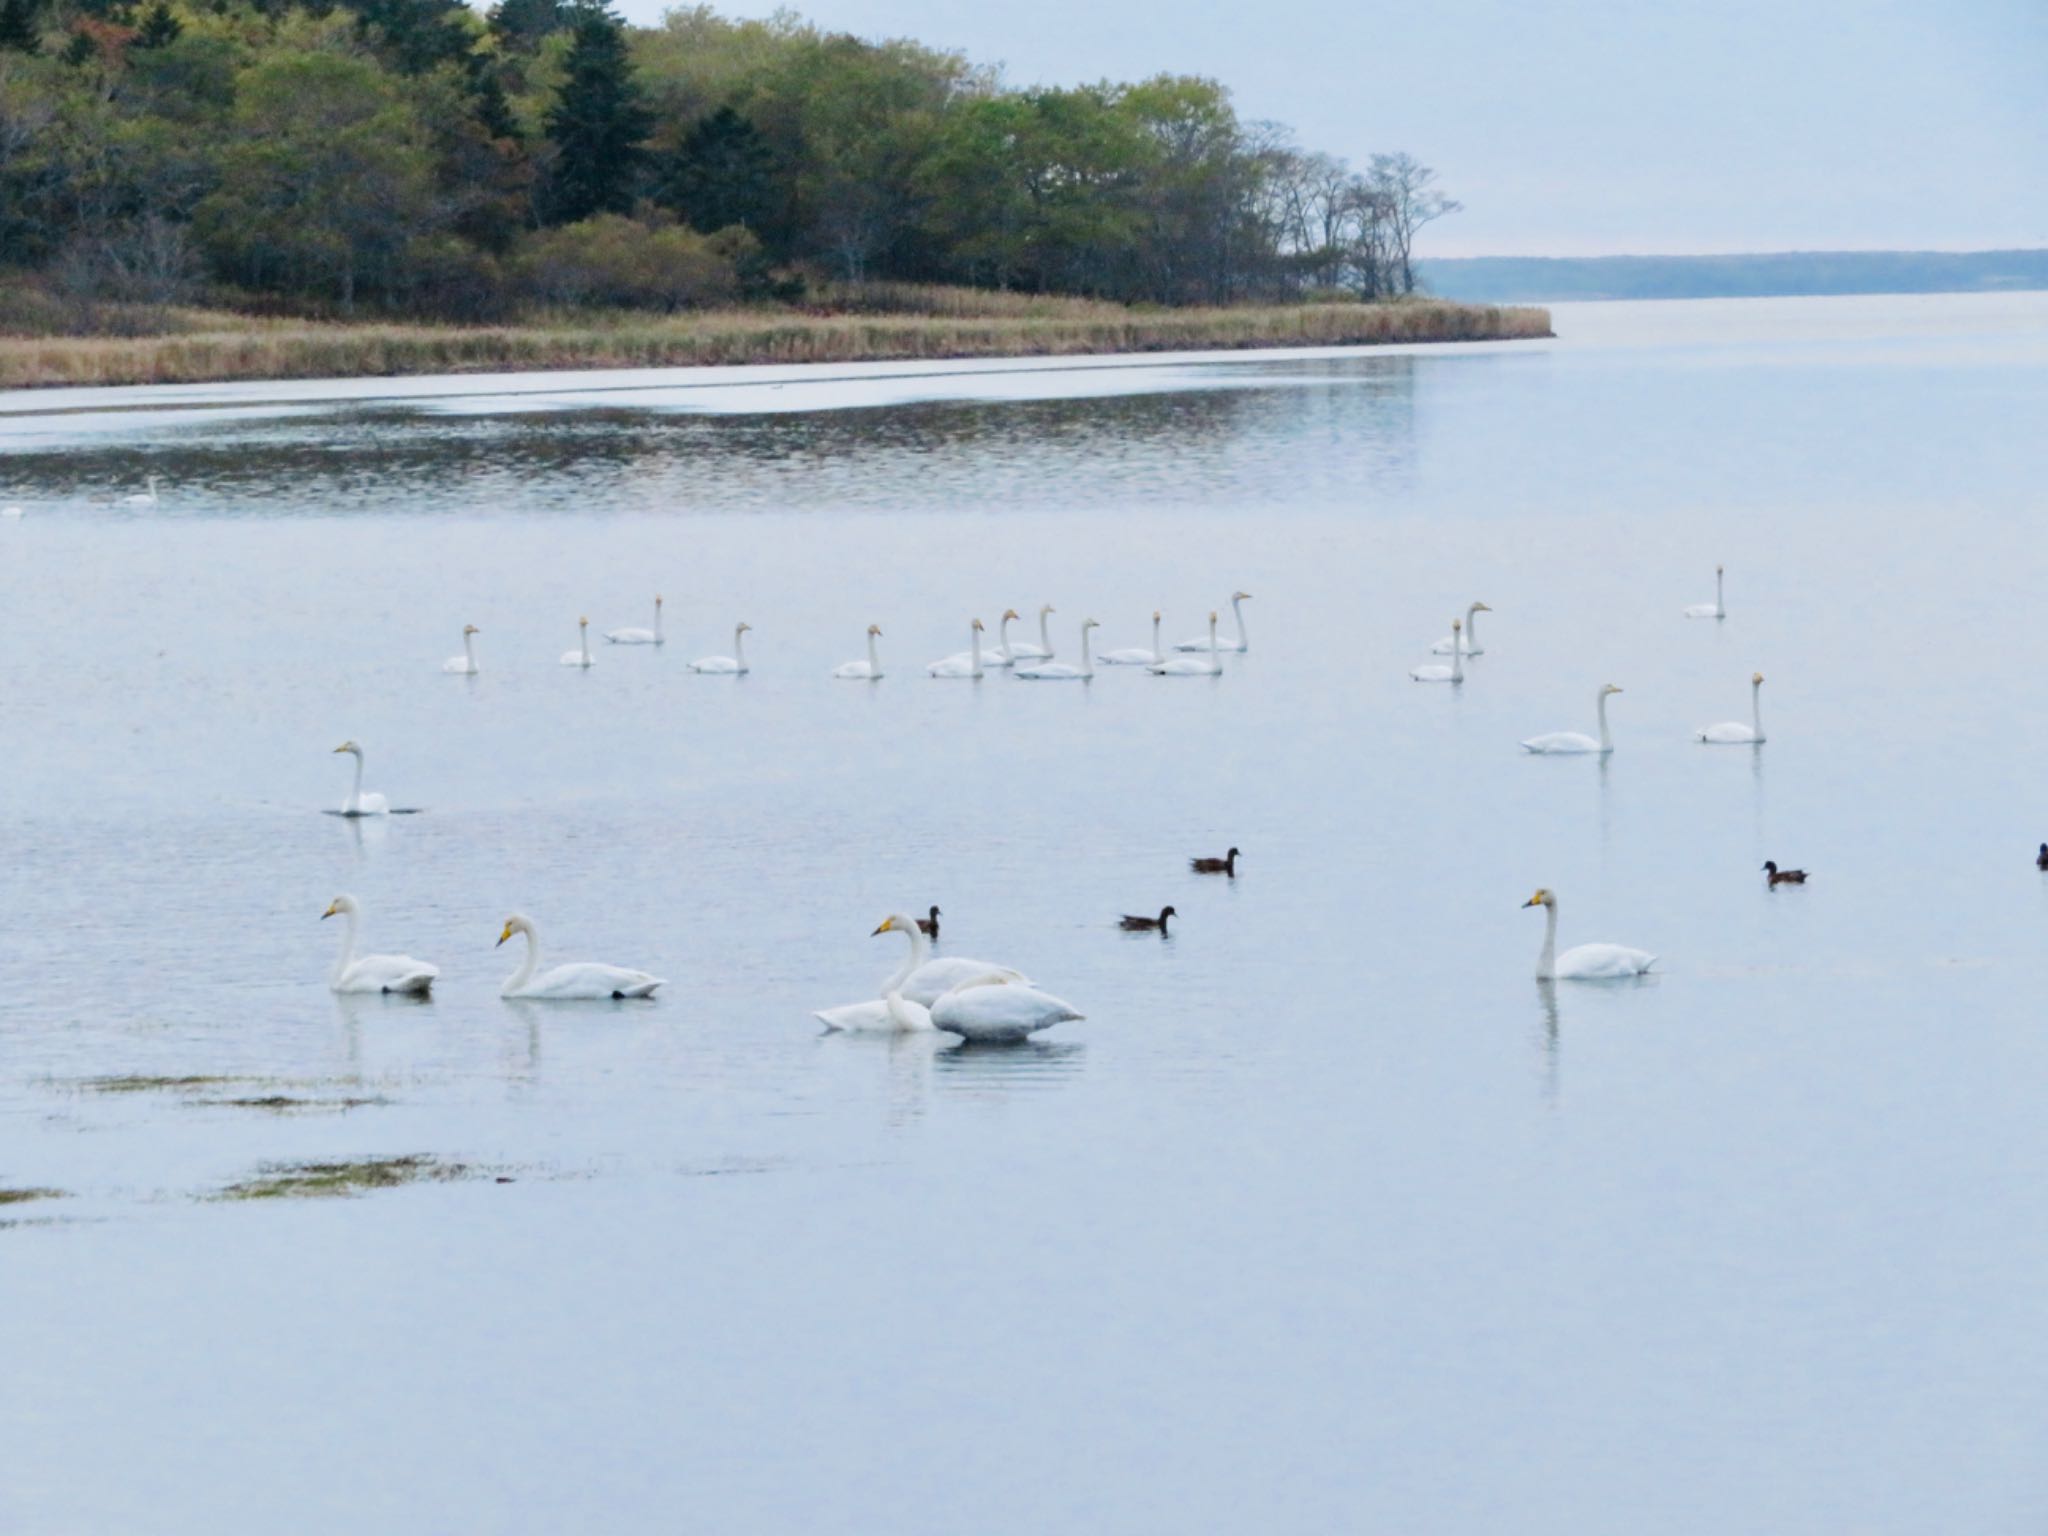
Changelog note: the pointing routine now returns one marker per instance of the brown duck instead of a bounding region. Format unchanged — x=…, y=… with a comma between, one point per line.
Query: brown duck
x=929, y=926
x=1774, y=876
x=1227, y=865
x=1148, y=924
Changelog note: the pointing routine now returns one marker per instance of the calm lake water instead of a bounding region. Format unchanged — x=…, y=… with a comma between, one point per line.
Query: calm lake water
x=1327, y=1217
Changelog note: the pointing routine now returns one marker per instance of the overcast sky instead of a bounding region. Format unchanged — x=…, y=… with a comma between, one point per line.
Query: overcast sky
x=1574, y=127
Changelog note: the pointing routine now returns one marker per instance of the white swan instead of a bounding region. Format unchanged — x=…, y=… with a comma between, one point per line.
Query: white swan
x=1574, y=741
x=1471, y=641
x=1002, y=655
x=992, y=1010
x=965, y=663
x=1434, y=672
x=859, y=671
x=373, y=973
x=920, y=980
x=1733, y=733
x=1062, y=671
x=142, y=498
x=1015, y=651
x=580, y=980
x=1189, y=666
x=639, y=636
x=1132, y=656
x=465, y=664
x=1241, y=643
x=358, y=802
x=1582, y=962
x=10, y=512
x=580, y=657
x=1717, y=609
x=734, y=665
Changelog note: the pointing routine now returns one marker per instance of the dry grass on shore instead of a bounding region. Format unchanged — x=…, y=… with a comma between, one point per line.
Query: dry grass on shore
x=872, y=325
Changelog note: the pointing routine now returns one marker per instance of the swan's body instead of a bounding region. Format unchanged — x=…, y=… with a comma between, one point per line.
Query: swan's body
x=652, y=636
x=1435, y=672
x=361, y=802
x=965, y=663
x=988, y=1010
x=1574, y=741
x=1132, y=657
x=465, y=664
x=1733, y=733
x=1583, y=962
x=863, y=671
x=1717, y=609
x=920, y=980
x=1470, y=642
x=1192, y=666
x=373, y=973
x=143, y=498
x=1241, y=643
x=733, y=665
x=1015, y=651
x=580, y=657
x=577, y=981
x=1062, y=671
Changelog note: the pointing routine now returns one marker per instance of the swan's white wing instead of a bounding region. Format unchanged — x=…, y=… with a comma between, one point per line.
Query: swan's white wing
x=457, y=664
x=1223, y=643
x=870, y=1015
x=1049, y=672
x=1602, y=962
x=574, y=659
x=1561, y=741
x=1183, y=666
x=630, y=636
x=855, y=670
x=715, y=664
x=1024, y=650
x=1000, y=1013
x=387, y=973
x=1433, y=674
x=958, y=665
x=1729, y=733
x=1133, y=657
x=1703, y=611
x=934, y=978
x=1443, y=647
x=587, y=979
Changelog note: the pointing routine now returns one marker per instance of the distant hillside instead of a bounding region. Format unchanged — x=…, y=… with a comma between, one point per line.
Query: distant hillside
x=1516, y=279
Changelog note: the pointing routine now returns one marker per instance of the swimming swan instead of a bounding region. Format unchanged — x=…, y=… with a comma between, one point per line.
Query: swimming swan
x=1582, y=962
x=373, y=973
x=868, y=670
x=1717, y=609
x=734, y=665
x=1241, y=643
x=359, y=803
x=1573, y=741
x=1024, y=650
x=920, y=979
x=1733, y=733
x=1189, y=666
x=1132, y=656
x=1455, y=672
x=965, y=663
x=639, y=636
x=142, y=498
x=579, y=980
x=991, y=1010
x=580, y=657
x=1062, y=671
x=465, y=664
x=1472, y=646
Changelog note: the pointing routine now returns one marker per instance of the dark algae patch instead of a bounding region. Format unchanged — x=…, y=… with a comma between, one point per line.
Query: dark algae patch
x=285, y=1104
x=319, y=1180
x=18, y=1196
x=155, y=1084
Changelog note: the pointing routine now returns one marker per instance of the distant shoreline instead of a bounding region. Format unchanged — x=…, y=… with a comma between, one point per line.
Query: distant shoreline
x=218, y=347
x=1770, y=274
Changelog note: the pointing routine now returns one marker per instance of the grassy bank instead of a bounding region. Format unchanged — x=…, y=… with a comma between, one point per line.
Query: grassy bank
x=871, y=324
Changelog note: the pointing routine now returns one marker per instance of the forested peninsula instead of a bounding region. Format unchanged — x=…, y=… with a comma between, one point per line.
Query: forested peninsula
x=202, y=189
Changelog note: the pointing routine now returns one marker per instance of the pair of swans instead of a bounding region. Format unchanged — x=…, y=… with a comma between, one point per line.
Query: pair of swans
x=1728, y=733
x=652, y=636
x=1451, y=643
x=970, y=998
x=1717, y=609
x=465, y=664
x=352, y=973
x=1241, y=644
x=1583, y=962
x=1007, y=653
x=1191, y=666
x=734, y=665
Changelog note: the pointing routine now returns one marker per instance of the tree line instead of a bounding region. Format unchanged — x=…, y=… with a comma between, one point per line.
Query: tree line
x=416, y=157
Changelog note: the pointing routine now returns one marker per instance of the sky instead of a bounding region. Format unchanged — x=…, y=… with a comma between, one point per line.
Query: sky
x=1582, y=127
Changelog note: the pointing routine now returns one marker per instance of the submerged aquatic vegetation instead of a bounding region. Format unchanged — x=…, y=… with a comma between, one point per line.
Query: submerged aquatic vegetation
x=17, y=1196
x=142, y=1084
x=275, y=1181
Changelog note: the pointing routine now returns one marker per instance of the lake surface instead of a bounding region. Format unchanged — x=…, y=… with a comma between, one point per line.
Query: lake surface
x=1327, y=1217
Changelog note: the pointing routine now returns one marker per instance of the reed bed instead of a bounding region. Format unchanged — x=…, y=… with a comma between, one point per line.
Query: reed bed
x=203, y=347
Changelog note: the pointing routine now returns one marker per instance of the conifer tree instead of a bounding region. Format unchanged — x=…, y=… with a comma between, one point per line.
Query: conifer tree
x=159, y=27
x=598, y=123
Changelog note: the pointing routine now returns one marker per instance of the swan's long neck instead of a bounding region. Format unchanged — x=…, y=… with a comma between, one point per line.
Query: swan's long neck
x=1600, y=706
x=1237, y=611
x=469, y=650
x=529, y=965
x=1756, y=709
x=1157, y=654
x=1457, y=655
x=349, y=917
x=583, y=641
x=657, y=623
x=1087, y=666
x=974, y=643
x=1546, y=963
x=1003, y=636
x=739, y=647
x=1472, y=628
x=355, y=799
x=920, y=950
x=1044, y=633
x=1215, y=660
x=874, y=657
x=1720, y=603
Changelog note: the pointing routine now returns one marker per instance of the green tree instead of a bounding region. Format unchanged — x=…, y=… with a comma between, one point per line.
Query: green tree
x=419, y=35
x=18, y=30
x=160, y=27
x=723, y=173
x=598, y=124
x=523, y=23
